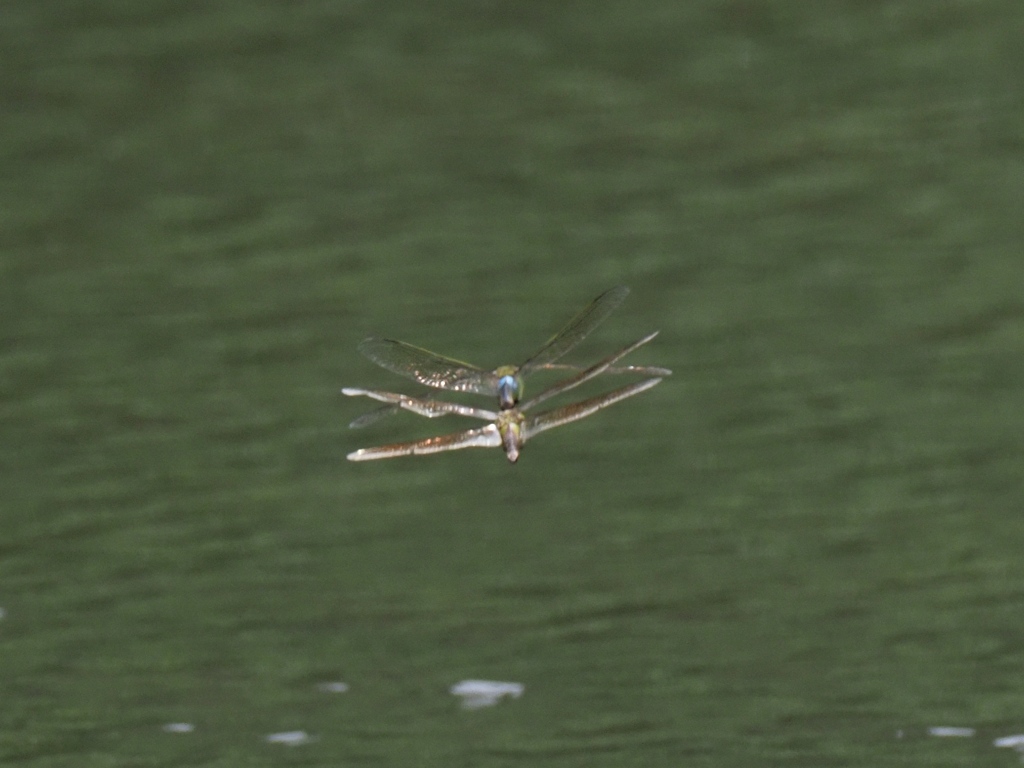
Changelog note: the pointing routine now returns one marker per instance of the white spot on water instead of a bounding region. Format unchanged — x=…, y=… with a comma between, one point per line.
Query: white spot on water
x=178, y=728
x=289, y=738
x=949, y=731
x=485, y=693
x=335, y=687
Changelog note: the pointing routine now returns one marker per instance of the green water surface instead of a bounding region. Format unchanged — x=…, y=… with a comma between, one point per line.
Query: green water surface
x=803, y=549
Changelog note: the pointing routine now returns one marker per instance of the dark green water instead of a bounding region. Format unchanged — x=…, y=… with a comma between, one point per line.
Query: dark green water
x=805, y=543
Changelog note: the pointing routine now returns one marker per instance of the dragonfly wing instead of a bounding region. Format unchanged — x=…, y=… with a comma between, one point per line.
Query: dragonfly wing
x=484, y=437
x=642, y=370
x=585, y=375
x=372, y=417
x=428, y=368
x=577, y=329
x=570, y=413
x=429, y=408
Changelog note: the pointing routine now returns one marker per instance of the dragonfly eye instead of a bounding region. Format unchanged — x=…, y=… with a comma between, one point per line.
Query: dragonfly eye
x=508, y=391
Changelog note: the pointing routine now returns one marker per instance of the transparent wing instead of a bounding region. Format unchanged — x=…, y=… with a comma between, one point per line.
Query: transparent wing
x=428, y=368
x=577, y=329
x=484, y=437
x=641, y=370
x=585, y=375
x=570, y=413
x=429, y=408
x=372, y=417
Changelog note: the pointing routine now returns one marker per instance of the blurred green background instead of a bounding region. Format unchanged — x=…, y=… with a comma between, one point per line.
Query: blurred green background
x=804, y=548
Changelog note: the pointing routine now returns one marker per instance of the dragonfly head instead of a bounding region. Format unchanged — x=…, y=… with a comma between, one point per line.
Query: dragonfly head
x=509, y=390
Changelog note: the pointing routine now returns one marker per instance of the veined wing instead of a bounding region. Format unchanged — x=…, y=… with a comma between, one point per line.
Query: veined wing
x=427, y=367
x=372, y=417
x=642, y=370
x=570, y=413
x=484, y=437
x=429, y=408
x=587, y=374
x=577, y=329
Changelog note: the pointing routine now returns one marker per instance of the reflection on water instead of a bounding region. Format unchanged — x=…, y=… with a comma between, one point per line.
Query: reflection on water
x=290, y=738
x=476, y=694
x=178, y=728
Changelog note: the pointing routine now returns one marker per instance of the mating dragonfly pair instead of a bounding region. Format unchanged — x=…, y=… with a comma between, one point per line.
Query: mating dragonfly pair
x=510, y=426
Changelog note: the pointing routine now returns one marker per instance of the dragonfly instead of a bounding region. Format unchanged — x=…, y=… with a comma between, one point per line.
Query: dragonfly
x=506, y=381
x=512, y=424
x=509, y=428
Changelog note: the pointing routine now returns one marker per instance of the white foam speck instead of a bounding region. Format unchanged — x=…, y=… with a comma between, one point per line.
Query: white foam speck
x=178, y=728
x=951, y=732
x=1013, y=742
x=485, y=693
x=336, y=687
x=289, y=738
